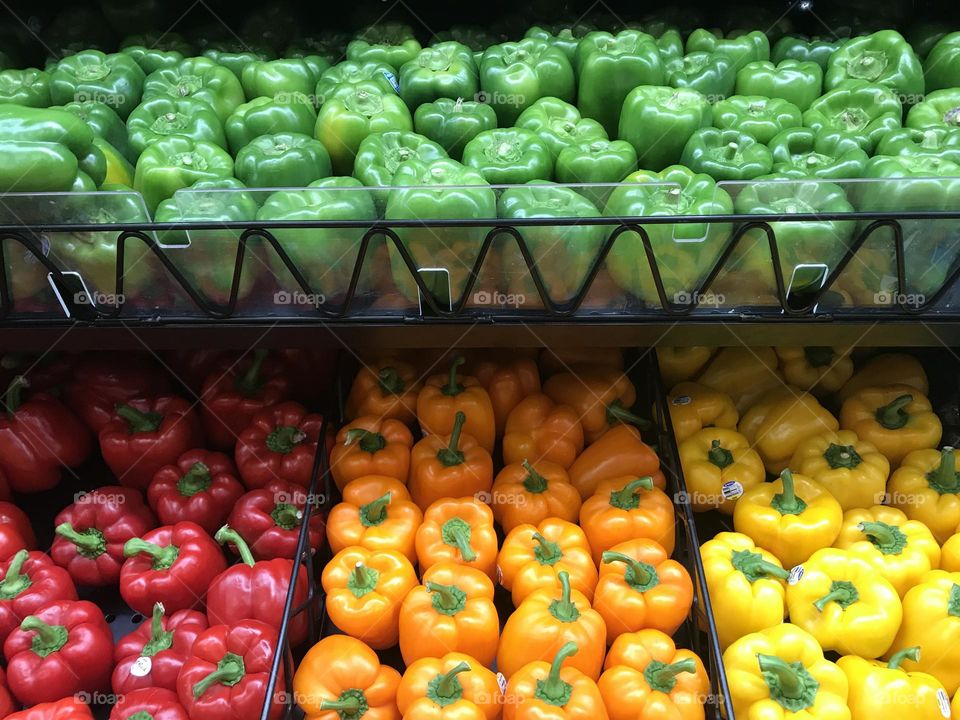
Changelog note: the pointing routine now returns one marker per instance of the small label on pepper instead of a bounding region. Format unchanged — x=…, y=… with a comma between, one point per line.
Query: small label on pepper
x=392, y=79
x=502, y=682
x=141, y=667
x=943, y=701
x=796, y=574
x=681, y=400
x=731, y=490
x=499, y=576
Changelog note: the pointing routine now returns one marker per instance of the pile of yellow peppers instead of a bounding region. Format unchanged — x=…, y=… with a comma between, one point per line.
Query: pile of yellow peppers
x=845, y=529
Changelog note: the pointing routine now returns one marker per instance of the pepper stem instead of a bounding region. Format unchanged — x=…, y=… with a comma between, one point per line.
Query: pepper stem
x=139, y=422
x=15, y=581
x=195, y=480
x=227, y=534
x=628, y=498
x=534, y=482
x=286, y=516
x=546, y=552
x=445, y=689
x=842, y=592
x=452, y=455
x=370, y=442
x=250, y=382
x=90, y=543
x=790, y=684
x=13, y=398
x=663, y=678
x=142, y=715
x=362, y=580
x=390, y=381
x=893, y=416
x=284, y=439
x=944, y=478
x=564, y=608
x=787, y=502
x=554, y=690
x=452, y=387
x=48, y=639
x=375, y=511
x=754, y=567
x=889, y=539
x=456, y=532
x=911, y=653
x=640, y=576
x=160, y=639
x=163, y=557
x=230, y=670
x=719, y=456
x=842, y=456
x=617, y=413
x=953, y=601
x=352, y=704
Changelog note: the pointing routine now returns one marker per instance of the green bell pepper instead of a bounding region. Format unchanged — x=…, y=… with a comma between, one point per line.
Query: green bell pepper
x=797, y=82
x=454, y=123
x=445, y=70
x=814, y=49
x=91, y=75
x=741, y=50
x=711, y=74
x=670, y=44
x=565, y=38
x=381, y=155
x=350, y=72
x=509, y=156
x=559, y=124
x=31, y=166
x=563, y=254
x=282, y=160
x=327, y=256
x=941, y=108
x=267, y=116
x=234, y=56
x=441, y=190
x=923, y=35
x=515, y=75
x=390, y=43
x=477, y=38
x=105, y=123
x=805, y=153
x=684, y=252
x=883, y=58
x=151, y=58
x=176, y=162
x=726, y=155
x=159, y=41
x=757, y=116
x=353, y=112
x=282, y=79
x=931, y=141
x=609, y=67
x=29, y=87
x=941, y=69
x=600, y=161
x=658, y=122
x=164, y=116
x=199, y=78
x=857, y=109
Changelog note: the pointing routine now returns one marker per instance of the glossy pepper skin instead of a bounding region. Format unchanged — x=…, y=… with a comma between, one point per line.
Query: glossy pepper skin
x=283, y=78
x=202, y=487
x=559, y=124
x=745, y=375
x=282, y=160
x=545, y=621
x=64, y=648
x=352, y=72
x=226, y=675
x=280, y=443
x=726, y=155
x=845, y=603
x=619, y=452
x=597, y=161
x=514, y=75
x=803, y=152
x=645, y=675
x=782, y=671
x=803, y=49
x=529, y=494
x=875, y=684
x=163, y=116
x=376, y=513
x=444, y=395
x=926, y=487
x=390, y=43
x=30, y=581
x=454, y=685
x=760, y=117
x=895, y=418
x=30, y=87
x=173, y=565
x=798, y=82
x=92, y=75
x=365, y=589
x=540, y=689
x=235, y=57
x=38, y=435
x=884, y=58
x=929, y=141
x=658, y=121
x=17, y=524
x=458, y=530
x=694, y=407
x=145, y=435
x=104, y=122
x=369, y=445
x=509, y=156
x=719, y=466
x=540, y=430
x=792, y=517
x=268, y=116
x=269, y=520
x=508, y=382
x=443, y=70
x=68, y=708
x=817, y=369
x=452, y=123
x=853, y=470
x=91, y=533
x=200, y=78
x=603, y=399
x=341, y=674
x=741, y=50
x=857, y=109
x=564, y=36
x=941, y=66
x=443, y=466
x=382, y=154
x=712, y=74
x=157, y=703
x=176, y=162
x=385, y=389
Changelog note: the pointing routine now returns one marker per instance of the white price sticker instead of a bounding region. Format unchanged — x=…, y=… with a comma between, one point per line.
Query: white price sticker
x=141, y=667
x=731, y=490
x=502, y=682
x=796, y=574
x=944, y=702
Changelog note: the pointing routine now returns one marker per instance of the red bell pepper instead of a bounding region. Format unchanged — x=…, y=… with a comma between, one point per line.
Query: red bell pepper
x=172, y=565
x=201, y=486
x=256, y=590
x=311, y=373
x=280, y=443
x=145, y=435
x=191, y=367
x=91, y=533
x=269, y=520
x=65, y=648
x=16, y=518
x=227, y=675
x=30, y=581
x=69, y=708
x=152, y=655
x=38, y=437
x=149, y=704
x=99, y=383
x=7, y=703
x=5, y=493
x=234, y=393
x=45, y=372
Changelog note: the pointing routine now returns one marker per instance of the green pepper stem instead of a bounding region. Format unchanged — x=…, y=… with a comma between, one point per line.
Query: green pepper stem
x=730, y=151
x=49, y=638
x=564, y=609
x=13, y=398
x=139, y=422
x=547, y=552
x=787, y=502
x=195, y=480
x=390, y=381
x=944, y=476
x=89, y=544
x=15, y=581
x=227, y=534
x=554, y=690
x=534, y=482
x=447, y=596
x=456, y=532
x=452, y=387
x=842, y=456
x=754, y=567
x=638, y=575
x=893, y=415
x=230, y=670
x=789, y=681
x=911, y=653
x=286, y=516
x=451, y=455
x=617, y=413
x=284, y=439
x=627, y=497
x=448, y=688
x=163, y=557
x=375, y=511
x=160, y=639
x=842, y=592
x=142, y=715
x=663, y=677
x=370, y=442
x=346, y=707
x=249, y=383
x=882, y=534
x=362, y=580
x=719, y=456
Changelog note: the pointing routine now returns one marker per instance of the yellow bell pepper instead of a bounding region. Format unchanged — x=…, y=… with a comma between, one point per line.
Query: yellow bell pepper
x=926, y=487
x=792, y=517
x=898, y=419
x=845, y=604
x=719, y=466
x=955, y=706
x=950, y=555
x=881, y=690
x=780, y=674
x=901, y=550
x=931, y=619
x=887, y=369
x=747, y=586
x=693, y=407
x=853, y=470
x=745, y=374
x=778, y=423
x=681, y=363
x=819, y=370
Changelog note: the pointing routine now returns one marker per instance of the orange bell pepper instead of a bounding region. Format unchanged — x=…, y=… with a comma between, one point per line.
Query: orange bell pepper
x=371, y=446
x=507, y=382
x=452, y=611
x=340, y=676
x=602, y=397
x=626, y=508
x=545, y=621
x=532, y=557
x=693, y=407
x=524, y=494
x=897, y=419
x=539, y=429
x=376, y=513
x=452, y=687
x=556, y=360
x=646, y=676
x=641, y=587
x=364, y=590
x=678, y=364
x=458, y=530
x=619, y=452
x=552, y=691
x=444, y=397
x=385, y=389
x=452, y=465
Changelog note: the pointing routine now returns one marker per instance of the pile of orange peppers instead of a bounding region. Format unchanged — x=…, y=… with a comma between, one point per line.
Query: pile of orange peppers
x=843, y=512
x=529, y=474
